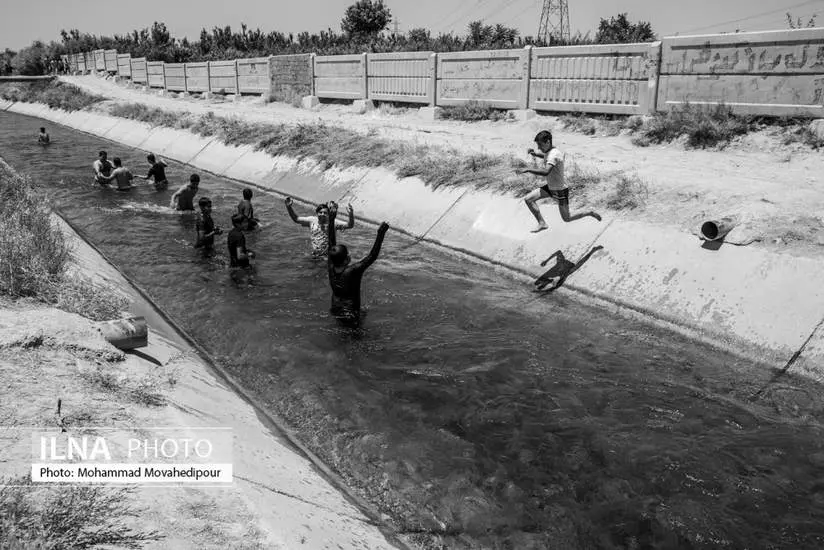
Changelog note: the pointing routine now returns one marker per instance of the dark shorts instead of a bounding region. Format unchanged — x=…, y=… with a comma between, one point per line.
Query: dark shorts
x=161, y=185
x=561, y=195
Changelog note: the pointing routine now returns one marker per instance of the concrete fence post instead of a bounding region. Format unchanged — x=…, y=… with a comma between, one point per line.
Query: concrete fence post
x=208, y=78
x=185, y=79
x=237, y=80
x=163, y=71
x=312, y=57
x=433, y=79
x=653, y=80
x=365, y=76
x=526, y=63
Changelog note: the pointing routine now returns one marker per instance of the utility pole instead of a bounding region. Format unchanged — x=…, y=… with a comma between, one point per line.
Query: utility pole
x=554, y=25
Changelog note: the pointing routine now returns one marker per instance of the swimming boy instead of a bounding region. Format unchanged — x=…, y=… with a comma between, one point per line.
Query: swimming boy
x=555, y=186
x=102, y=168
x=205, y=226
x=43, y=137
x=157, y=171
x=245, y=210
x=345, y=277
x=318, y=225
x=121, y=175
x=183, y=199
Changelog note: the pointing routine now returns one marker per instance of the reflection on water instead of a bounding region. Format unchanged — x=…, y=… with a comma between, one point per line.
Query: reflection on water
x=466, y=406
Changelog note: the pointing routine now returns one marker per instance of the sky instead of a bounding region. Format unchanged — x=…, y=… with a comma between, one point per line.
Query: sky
x=23, y=22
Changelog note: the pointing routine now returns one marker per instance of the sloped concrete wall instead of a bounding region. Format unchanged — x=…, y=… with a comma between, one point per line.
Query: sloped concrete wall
x=763, y=304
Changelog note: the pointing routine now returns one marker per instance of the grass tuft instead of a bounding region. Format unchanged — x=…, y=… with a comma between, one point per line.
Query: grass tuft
x=66, y=517
x=704, y=126
x=474, y=111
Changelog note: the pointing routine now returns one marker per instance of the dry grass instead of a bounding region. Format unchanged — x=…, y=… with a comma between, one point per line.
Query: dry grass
x=66, y=517
x=34, y=255
x=55, y=94
x=474, y=111
x=146, y=391
x=703, y=126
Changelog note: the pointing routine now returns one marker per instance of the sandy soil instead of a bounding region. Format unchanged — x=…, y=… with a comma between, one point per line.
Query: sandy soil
x=774, y=188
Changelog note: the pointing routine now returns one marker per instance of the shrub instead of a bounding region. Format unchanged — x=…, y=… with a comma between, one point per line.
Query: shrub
x=66, y=517
x=704, y=126
x=474, y=111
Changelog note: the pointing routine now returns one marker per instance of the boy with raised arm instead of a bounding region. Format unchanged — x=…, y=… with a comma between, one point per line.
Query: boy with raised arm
x=318, y=225
x=344, y=276
x=555, y=186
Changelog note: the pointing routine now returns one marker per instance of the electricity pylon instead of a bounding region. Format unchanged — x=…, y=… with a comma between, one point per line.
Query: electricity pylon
x=554, y=26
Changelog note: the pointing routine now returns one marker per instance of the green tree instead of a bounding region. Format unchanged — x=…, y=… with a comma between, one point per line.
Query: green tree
x=6, y=58
x=365, y=18
x=619, y=30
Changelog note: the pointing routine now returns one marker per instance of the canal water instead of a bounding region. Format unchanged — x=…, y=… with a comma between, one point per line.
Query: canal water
x=473, y=412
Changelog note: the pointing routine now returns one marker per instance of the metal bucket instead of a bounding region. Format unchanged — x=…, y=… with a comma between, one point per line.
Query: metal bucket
x=125, y=334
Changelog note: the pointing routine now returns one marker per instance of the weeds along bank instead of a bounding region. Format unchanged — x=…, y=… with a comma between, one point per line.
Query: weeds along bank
x=743, y=298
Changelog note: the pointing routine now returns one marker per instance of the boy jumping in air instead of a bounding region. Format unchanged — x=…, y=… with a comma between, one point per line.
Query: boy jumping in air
x=555, y=186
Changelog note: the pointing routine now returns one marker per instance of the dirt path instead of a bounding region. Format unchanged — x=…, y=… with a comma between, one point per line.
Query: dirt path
x=775, y=188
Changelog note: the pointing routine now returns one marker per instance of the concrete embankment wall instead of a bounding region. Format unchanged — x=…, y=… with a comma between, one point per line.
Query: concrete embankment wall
x=763, y=304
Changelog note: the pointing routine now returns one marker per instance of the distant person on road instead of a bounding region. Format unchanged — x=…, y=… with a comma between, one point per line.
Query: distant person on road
x=121, y=175
x=157, y=171
x=345, y=277
x=43, y=137
x=183, y=199
x=555, y=186
x=245, y=210
x=318, y=225
x=102, y=168
x=206, y=228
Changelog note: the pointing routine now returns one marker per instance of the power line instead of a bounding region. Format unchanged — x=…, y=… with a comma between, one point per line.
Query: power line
x=466, y=13
x=451, y=14
x=507, y=5
x=754, y=16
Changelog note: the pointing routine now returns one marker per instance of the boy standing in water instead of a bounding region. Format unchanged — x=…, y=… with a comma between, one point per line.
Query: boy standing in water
x=120, y=174
x=205, y=226
x=345, y=277
x=102, y=168
x=245, y=210
x=43, y=137
x=239, y=256
x=183, y=199
x=318, y=225
x=156, y=171
x=555, y=186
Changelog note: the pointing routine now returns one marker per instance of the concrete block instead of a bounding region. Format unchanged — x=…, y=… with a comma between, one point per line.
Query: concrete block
x=817, y=128
x=309, y=102
x=430, y=113
x=360, y=106
x=522, y=115
x=207, y=95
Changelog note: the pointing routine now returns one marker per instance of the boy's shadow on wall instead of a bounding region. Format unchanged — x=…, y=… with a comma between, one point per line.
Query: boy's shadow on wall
x=562, y=269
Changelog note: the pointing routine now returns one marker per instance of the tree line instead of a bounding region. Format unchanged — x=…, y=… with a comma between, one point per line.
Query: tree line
x=363, y=29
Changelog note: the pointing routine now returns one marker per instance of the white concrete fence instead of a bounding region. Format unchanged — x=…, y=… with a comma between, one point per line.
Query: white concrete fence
x=773, y=73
